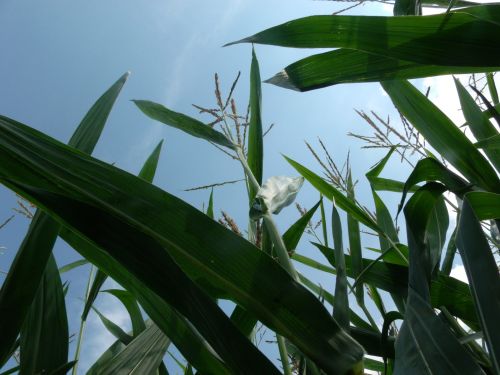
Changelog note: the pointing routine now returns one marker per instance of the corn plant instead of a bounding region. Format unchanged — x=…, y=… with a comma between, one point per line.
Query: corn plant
x=148, y=240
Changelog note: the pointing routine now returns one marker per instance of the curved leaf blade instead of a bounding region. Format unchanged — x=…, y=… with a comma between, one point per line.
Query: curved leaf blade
x=182, y=122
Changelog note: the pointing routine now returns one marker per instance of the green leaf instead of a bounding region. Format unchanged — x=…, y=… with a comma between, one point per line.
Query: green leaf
x=255, y=138
x=328, y=297
x=182, y=122
x=482, y=273
x=331, y=193
x=70, y=266
x=148, y=170
x=44, y=334
x=113, y=328
x=26, y=272
x=492, y=88
x=442, y=134
x=451, y=249
x=293, y=234
x=99, y=279
x=355, y=250
x=158, y=221
x=450, y=39
x=147, y=173
x=341, y=303
x=210, y=208
x=486, y=205
x=142, y=356
x=445, y=291
x=491, y=143
x=386, y=184
x=354, y=66
x=435, y=235
x=425, y=345
x=429, y=169
x=193, y=347
x=21, y=283
x=113, y=350
x=478, y=122
x=88, y=132
x=130, y=303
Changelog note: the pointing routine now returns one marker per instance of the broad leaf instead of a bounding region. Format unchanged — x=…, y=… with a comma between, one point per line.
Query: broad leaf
x=207, y=254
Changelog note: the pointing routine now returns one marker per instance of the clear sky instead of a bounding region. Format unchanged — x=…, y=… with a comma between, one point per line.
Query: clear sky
x=59, y=56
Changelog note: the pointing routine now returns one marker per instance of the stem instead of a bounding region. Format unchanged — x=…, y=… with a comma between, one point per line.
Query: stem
x=82, y=323
x=281, y=250
x=283, y=355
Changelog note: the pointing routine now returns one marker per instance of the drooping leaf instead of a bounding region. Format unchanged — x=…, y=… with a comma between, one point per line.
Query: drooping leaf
x=113, y=328
x=130, y=303
x=486, y=205
x=152, y=227
x=442, y=134
x=354, y=66
x=482, y=273
x=46, y=322
x=430, y=169
x=182, y=122
x=457, y=38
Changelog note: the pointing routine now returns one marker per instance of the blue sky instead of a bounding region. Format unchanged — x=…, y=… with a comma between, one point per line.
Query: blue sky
x=58, y=57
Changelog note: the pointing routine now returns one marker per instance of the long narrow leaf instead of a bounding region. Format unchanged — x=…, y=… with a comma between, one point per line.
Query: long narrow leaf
x=440, y=132
x=45, y=323
x=255, y=138
x=30, y=261
x=354, y=66
x=182, y=122
x=208, y=251
x=450, y=39
x=482, y=273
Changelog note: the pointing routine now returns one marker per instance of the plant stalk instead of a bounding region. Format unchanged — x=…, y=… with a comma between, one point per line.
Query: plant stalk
x=284, y=355
x=283, y=257
x=82, y=323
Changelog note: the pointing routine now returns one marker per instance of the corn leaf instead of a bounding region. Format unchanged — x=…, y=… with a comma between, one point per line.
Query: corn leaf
x=130, y=303
x=331, y=193
x=255, y=138
x=113, y=328
x=456, y=38
x=478, y=122
x=440, y=132
x=145, y=215
x=182, y=122
x=142, y=356
x=491, y=143
x=341, y=303
x=21, y=283
x=45, y=323
x=354, y=66
x=482, y=273
x=193, y=347
x=70, y=266
x=293, y=234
